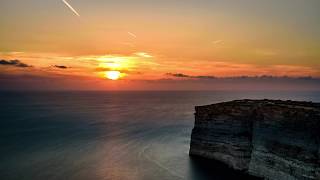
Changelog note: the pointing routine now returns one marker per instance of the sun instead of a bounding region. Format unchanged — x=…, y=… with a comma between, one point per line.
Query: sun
x=113, y=75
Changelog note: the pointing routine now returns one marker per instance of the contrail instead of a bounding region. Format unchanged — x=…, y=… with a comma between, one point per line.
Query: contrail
x=71, y=8
x=131, y=34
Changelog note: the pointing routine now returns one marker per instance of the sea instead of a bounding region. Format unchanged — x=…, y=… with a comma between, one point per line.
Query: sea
x=124, y=135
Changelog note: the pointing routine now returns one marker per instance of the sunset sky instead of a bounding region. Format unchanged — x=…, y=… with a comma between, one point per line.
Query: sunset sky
x=146, y=44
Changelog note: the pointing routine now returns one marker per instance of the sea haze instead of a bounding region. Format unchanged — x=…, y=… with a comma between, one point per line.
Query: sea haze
x=109, y=135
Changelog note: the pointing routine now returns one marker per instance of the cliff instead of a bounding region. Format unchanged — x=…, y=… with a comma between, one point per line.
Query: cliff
x=272, y=139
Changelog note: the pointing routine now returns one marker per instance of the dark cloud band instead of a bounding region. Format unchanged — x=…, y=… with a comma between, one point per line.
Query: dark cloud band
x=16, y=63
x=180, y=75
x=60, y=67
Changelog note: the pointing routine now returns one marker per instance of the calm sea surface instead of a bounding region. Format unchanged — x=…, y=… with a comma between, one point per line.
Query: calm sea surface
x=108, y=135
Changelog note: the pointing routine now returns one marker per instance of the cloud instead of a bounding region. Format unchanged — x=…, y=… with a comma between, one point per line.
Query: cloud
x=132, y=34
x=101, y=69
x=50, y=81
x=217, y=42
x=104, y=69
x=16, y=63
x=240, y=78
x=143, y=54
x=61, y=67
x=180, y=75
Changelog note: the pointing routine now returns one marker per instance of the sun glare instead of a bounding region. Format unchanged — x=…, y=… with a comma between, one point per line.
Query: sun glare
x=113, y=75
x=112, y=67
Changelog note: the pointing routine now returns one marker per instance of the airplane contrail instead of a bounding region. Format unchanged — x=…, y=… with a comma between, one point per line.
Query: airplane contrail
x=71, y=8
x=133, y=35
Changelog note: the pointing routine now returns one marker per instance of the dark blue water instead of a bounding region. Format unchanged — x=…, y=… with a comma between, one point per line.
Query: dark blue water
x=108, y=135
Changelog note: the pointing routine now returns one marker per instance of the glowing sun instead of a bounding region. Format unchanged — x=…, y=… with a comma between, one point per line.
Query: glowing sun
x=113, y=75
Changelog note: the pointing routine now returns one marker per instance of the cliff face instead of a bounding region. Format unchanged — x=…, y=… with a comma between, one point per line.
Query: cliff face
x=265, y=138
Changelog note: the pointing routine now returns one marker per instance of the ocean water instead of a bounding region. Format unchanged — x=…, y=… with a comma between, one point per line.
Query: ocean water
x=109, y=135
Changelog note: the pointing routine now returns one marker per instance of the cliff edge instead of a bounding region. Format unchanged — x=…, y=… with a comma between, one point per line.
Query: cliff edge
x=271, y=139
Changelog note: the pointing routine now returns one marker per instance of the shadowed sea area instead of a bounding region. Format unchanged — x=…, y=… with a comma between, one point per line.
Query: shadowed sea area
x=110, y=135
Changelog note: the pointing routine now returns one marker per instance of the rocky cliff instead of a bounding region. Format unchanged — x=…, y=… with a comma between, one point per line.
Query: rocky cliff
x=272, y=139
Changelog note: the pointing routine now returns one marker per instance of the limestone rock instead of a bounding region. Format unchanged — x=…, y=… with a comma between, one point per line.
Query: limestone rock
x=272, y=139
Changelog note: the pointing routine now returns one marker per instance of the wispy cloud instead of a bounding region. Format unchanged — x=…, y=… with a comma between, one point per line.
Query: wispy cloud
x=217, y=42
x=132, y=34
x=16, y=63
x=11, y=53
x=261, y=77
x=143, y=54
x=180, y=75
x=71, y=8
x=60, y=67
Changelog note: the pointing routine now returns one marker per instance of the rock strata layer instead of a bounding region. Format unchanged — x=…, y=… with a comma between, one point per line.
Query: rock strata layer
x=272, y=139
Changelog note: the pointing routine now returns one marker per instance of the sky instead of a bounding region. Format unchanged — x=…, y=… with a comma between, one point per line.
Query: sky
x=168, y=44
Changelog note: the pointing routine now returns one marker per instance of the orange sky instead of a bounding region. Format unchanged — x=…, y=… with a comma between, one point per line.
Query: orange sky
x=149, y=41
